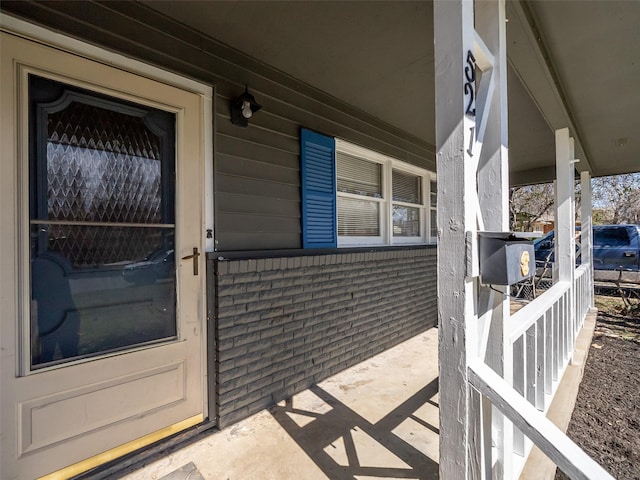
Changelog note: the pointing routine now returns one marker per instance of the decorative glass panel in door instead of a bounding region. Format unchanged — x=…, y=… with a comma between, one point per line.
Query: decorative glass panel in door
x=102, y=224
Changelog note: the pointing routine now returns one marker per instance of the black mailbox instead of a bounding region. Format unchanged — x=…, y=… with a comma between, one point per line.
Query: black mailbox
x=505, y=258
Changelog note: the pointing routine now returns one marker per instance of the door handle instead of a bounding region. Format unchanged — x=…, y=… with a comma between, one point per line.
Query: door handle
x=629, y=254
x=195, y=256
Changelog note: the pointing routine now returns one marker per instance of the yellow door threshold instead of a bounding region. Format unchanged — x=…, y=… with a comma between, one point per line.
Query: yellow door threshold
x=104, y=457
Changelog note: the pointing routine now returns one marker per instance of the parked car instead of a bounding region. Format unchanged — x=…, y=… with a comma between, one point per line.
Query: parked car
x=159, y=265
x=544, y=248
x=616, y=248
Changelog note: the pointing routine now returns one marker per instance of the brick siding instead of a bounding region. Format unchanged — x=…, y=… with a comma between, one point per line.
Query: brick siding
x=283, y=324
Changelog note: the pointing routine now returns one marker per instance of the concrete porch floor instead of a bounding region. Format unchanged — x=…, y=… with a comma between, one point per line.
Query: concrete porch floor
x=376, y=420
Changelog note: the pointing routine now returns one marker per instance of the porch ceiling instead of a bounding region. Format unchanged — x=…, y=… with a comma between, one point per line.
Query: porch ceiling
x=571, y=64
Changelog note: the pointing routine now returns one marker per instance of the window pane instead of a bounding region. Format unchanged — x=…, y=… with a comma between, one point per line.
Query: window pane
x=406, y=221
x=434, y=193
x=358, y=176
x=102, y=193
x=82, y=312
x=434, y=224
x=611, y=236
x=406, y=187
x=358, y=218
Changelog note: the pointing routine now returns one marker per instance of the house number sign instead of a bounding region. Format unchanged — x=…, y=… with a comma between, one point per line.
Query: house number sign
x=524, y=263
x=470, y=84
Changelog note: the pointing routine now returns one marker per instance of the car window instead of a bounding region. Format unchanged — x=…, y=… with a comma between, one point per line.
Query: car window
x=544, y=241
x=611, y=237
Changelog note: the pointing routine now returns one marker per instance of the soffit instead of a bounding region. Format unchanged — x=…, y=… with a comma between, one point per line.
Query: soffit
x=375, y=56
x=596, y=49
x=378, y=57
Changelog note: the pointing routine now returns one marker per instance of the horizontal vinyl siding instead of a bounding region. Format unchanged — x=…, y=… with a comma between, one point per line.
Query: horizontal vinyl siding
x=256, y=168
x=238, y=147
x=257, y=187
x=243, y=223
x=237, y=203
x=247, y=241
x=252, y=168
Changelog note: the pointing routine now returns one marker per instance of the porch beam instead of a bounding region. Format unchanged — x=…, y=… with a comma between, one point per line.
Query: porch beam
x=532, y=176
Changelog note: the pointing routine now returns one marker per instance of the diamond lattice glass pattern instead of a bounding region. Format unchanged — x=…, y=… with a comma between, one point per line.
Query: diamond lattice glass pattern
x=94, y=246
x=102, y=166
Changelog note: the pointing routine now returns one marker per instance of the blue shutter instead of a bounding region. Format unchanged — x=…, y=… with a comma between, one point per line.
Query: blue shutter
x=318, y=171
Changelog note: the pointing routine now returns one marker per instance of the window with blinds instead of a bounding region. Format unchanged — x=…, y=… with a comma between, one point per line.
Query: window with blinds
x=381, y=200
x=406, y=194
x=358, y=218
x=359, y=184
x=406, y=187
x=358, y=176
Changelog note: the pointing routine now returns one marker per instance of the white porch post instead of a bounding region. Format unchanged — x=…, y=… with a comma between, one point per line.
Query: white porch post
x=565, y=237
x=453, y=27
x=565, y=216
x=586, y=234
x=471, y=137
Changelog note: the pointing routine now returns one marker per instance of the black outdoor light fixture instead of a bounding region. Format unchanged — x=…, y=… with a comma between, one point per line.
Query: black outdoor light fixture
x=243, y=108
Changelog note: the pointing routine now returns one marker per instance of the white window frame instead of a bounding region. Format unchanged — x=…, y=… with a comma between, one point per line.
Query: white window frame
x=388, y=164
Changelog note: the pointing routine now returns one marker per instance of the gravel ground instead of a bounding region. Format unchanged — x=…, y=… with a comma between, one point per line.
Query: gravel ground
x=606, y=418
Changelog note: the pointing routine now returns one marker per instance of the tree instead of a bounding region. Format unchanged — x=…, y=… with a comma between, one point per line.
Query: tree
x=529, y=203
x=631, y=212
x=616, y=199
x=619, y=197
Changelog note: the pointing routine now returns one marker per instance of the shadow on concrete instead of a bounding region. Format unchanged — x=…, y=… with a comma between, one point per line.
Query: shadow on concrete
x=330, y=439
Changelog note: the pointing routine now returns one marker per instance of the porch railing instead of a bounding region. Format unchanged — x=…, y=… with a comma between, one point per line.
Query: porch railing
x=539, y=341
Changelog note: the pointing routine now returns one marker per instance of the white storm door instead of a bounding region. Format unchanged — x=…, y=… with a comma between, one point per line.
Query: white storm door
x=102, y=194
